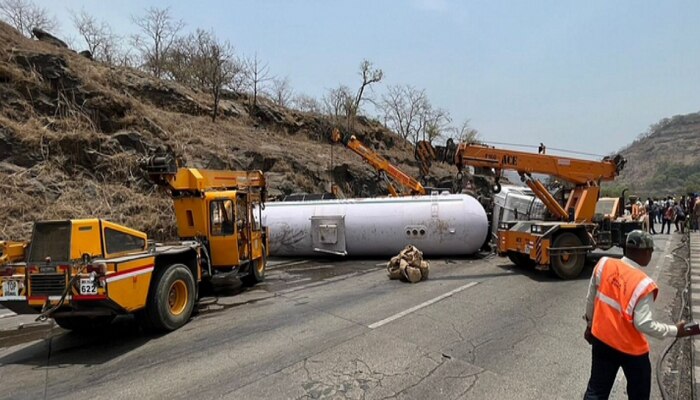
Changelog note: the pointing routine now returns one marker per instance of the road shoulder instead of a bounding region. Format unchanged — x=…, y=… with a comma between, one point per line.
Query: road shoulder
x=695, y=304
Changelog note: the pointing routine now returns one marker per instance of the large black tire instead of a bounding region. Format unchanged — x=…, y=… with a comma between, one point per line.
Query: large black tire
x=171, y=299
x=567, y=265
x=256, y=272
x=84, y=324
x=521, y=260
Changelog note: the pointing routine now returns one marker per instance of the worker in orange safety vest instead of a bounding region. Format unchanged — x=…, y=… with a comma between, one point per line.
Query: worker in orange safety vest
x=618, y=315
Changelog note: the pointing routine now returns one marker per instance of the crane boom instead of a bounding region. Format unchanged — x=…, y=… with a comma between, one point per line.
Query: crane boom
x=164, y=171
x=576, y=171
x=380, y=164
x=585, y=174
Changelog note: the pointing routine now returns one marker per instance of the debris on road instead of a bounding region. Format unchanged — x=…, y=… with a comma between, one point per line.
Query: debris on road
x=408, y=266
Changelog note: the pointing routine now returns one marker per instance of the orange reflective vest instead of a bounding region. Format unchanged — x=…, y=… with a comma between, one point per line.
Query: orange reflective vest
x=636, y=211
x=620, y=287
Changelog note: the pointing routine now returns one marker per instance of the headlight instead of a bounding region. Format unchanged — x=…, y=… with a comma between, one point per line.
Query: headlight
x=539, y=229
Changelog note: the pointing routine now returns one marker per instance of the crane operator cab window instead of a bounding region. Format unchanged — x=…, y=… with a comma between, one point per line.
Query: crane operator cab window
x=122, y=242
x=222, y=221
x=242, y=211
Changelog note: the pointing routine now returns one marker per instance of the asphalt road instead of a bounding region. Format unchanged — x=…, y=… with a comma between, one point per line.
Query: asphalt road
x=479, y=328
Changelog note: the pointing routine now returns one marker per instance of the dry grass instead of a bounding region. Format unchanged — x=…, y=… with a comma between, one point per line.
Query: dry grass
x=66, y=150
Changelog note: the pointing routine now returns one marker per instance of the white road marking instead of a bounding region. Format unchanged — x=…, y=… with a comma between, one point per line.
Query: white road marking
x=315, y=268
x=280, y=264
x=662, y=261
x=298, y=280
x=319, y=283
x=324, y=281
x=421, y=305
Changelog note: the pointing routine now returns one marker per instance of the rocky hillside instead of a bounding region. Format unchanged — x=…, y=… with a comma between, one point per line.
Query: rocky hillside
x=72, y=132
x=665, y=161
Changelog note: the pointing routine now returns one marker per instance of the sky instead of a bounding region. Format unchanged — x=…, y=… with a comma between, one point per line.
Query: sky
x=587, y=76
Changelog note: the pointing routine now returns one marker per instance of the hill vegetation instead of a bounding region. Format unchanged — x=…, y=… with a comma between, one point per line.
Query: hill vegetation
x=664, y=160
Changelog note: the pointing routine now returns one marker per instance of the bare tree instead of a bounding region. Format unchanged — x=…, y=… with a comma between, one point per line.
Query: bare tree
x=306, y=103
x=218, y=66
x=102, y=43
x=119, y=55
x=182, y=61
x=24, y=16
x=159, y=30
x=465, y=133
x=281, y=91
x=257, y=73
x=435, y=123
x=202, y=61
x=338, y=101
x=404, y=108
x=369, y=76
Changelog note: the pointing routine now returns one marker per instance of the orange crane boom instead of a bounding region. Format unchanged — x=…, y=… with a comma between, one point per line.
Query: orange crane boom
x=573, y=170
x=585, y=174
x=163, y=170
x=380, y=164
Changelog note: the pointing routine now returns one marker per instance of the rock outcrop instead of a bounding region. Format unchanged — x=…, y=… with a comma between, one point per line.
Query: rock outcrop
x=44, y=36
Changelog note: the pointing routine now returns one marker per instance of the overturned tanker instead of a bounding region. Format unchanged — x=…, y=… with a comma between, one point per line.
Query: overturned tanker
x=439, y=225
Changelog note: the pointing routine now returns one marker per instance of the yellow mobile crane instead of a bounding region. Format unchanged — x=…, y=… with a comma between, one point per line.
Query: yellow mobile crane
x=84, y=272
x=11, y=252
x=582, y=225
x=383, y=167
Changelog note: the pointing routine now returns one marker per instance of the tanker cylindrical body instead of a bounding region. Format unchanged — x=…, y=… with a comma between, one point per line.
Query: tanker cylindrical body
x=438, y=225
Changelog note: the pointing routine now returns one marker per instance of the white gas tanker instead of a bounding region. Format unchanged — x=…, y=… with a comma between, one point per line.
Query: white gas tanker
x=439, y=225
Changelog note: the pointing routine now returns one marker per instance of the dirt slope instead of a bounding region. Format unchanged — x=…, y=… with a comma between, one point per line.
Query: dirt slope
x=72, y=132
x=666, y=161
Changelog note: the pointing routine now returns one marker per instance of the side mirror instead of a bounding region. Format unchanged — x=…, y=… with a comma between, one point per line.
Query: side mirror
x=240, y=224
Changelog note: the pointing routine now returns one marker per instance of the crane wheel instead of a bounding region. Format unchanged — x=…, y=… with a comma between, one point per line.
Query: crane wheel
x=171, y=298
x=256, y=273
x=567, y=265
x=84, y=324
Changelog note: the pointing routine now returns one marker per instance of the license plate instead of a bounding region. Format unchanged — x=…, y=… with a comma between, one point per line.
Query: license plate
x=87, y=287
x=10, y=288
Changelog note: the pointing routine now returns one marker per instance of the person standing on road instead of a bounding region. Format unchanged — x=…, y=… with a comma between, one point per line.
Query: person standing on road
x=653, y=209
x=668, y=217
x=680, y=217
x=644, y=218
x=618, y=315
